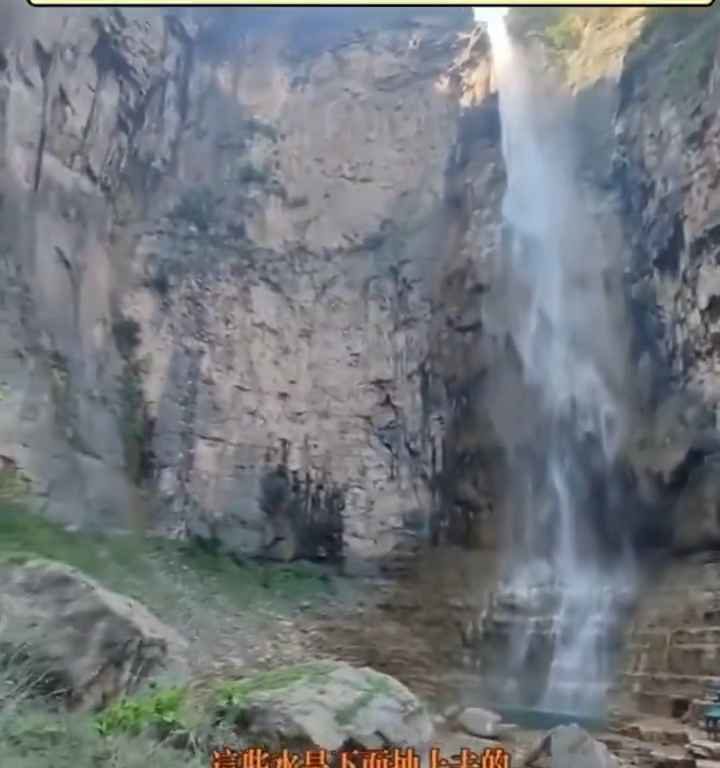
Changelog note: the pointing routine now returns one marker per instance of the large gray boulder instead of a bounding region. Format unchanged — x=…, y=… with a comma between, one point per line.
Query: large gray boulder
x=569, y=746
x=329, y=705
x=79, y=638
x=480, y=722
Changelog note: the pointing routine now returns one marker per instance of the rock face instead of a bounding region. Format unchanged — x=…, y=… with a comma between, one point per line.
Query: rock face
x=332, y=705
x=667, y=168
x=653, y=152
x=673, y=645
x=79, y=639
x=664, y=167
x=222, y=294
x=666, y=162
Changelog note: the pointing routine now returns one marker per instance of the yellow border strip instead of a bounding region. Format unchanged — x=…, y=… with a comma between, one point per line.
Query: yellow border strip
x=321, y=4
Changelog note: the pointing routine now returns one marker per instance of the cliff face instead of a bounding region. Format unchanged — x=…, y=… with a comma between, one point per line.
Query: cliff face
x=644, y=90
x=221, y=237
x=251, y=266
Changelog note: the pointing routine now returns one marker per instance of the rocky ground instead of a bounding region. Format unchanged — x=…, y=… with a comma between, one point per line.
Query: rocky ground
x=205, y=621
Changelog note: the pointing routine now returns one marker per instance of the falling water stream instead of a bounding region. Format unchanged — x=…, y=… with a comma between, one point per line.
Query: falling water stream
x=562, y=333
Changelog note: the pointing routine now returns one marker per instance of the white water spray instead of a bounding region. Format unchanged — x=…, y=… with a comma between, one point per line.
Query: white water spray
x=564, y=336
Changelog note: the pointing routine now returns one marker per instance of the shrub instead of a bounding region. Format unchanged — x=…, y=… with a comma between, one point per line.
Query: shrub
x=159, y=712
x=566, y=34
x=31, y=734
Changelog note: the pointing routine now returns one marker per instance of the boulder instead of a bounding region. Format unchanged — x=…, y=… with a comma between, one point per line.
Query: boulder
x=480, y=722
x=329, y=705
x=569, y=746
x=82, y=640
x=705, y=749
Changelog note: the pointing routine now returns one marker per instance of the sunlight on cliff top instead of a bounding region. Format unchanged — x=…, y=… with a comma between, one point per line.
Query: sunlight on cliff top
x=492, y=14
x=494, y=19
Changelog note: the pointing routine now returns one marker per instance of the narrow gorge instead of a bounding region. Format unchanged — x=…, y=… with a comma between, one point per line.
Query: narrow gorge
x=385, y=337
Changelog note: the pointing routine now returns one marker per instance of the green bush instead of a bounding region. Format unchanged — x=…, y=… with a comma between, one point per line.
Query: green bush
x=566, y=34
x=159, y=712
x=31, y=735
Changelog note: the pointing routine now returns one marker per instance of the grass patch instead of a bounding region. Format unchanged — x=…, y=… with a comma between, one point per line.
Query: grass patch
x=31, y=735
x=678, y=43
x=237, y=692
x=24, y=534
x=162, y=574
x=566, y=33
x=231, y=699
x=14, y=487
x=159, y=711
x=175, y=711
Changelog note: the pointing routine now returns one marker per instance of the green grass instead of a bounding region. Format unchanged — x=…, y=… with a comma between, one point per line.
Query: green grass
x=160, y=573
x=30, y=738
x=186, y=711
x=237, y=692
x=31, y=735
x=566, y=33
x=159, y=711
x=175, y=710
x=680, y=42
x=201, y=592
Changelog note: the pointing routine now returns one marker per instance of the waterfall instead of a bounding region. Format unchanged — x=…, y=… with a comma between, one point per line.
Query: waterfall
x=565, y=561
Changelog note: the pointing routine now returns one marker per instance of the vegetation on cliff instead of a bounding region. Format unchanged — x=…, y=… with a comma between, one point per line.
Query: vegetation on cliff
x=585, y=43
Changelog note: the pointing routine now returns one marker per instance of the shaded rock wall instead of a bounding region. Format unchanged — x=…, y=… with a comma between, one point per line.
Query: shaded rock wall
x=645, y=94
x=646, y=154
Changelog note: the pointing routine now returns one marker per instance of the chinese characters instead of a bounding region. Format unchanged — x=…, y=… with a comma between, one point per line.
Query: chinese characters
x=255, y=757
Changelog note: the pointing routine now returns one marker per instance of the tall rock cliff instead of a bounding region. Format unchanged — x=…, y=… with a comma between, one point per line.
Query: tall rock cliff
x=251, y=266
x=222, y=234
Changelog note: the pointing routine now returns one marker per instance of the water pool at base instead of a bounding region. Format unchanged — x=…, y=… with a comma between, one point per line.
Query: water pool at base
x=544, y=720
